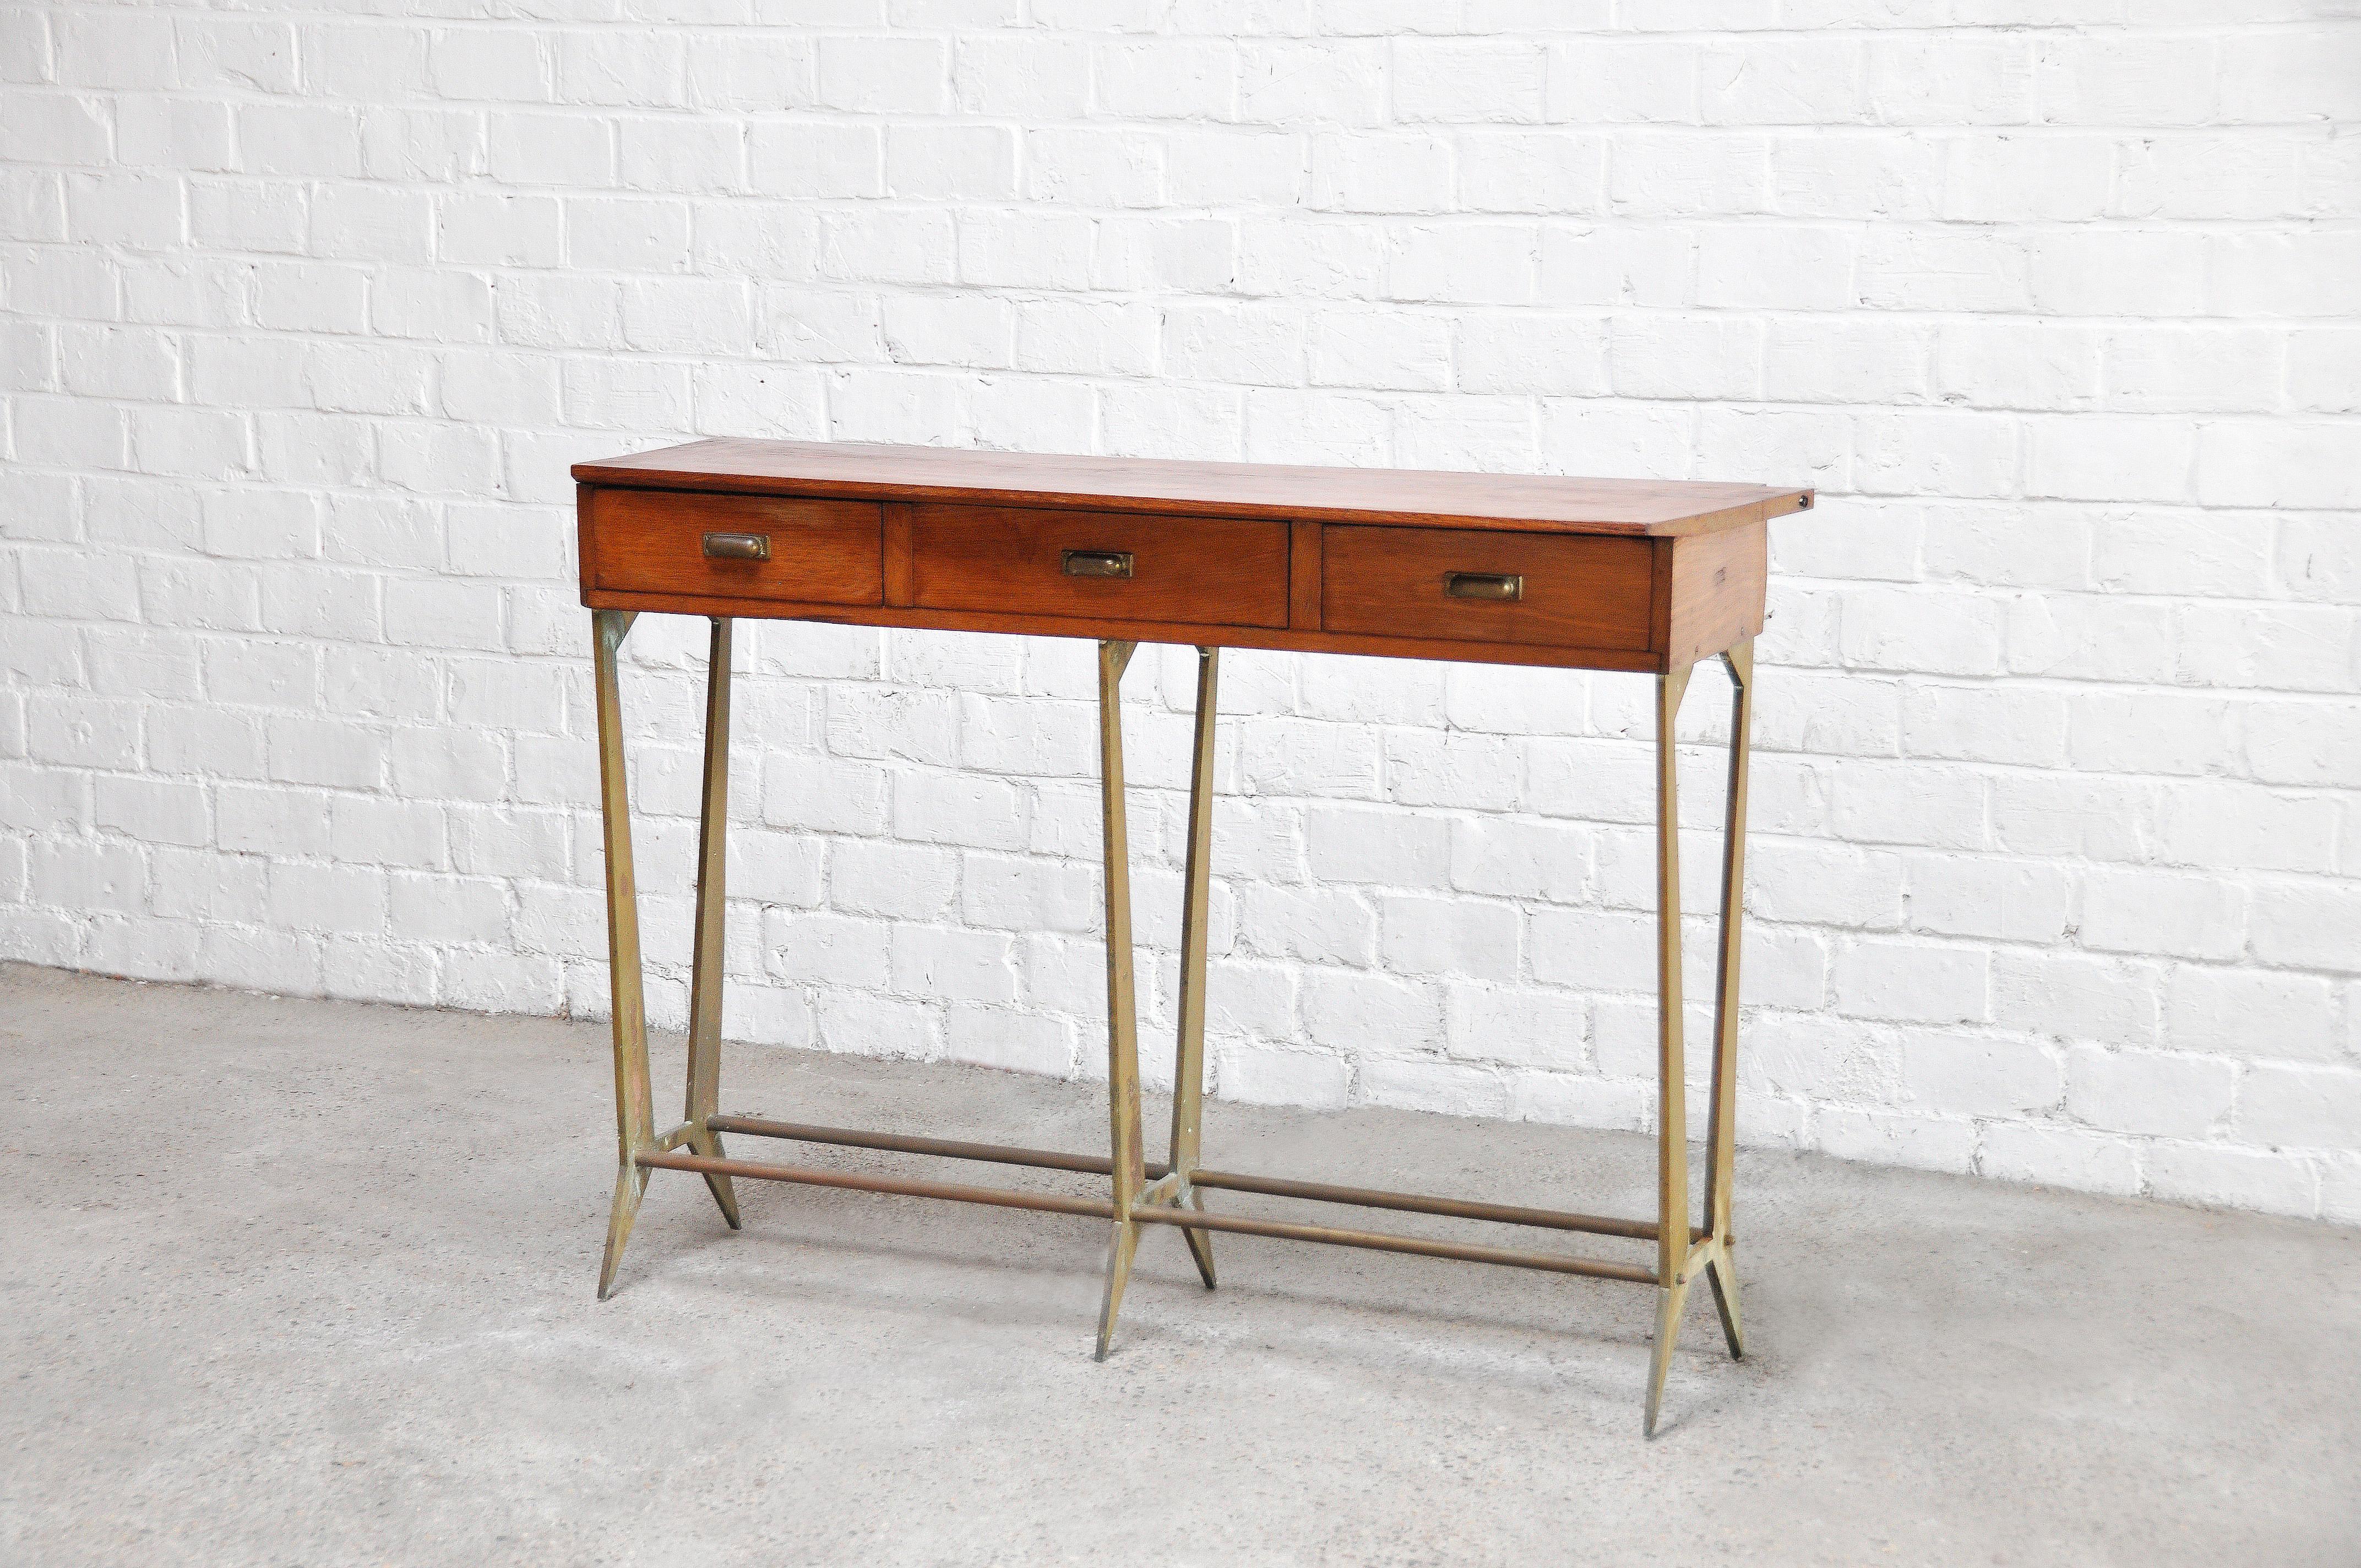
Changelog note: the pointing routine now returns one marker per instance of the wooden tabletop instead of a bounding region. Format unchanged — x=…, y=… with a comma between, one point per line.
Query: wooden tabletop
x=1526, y=502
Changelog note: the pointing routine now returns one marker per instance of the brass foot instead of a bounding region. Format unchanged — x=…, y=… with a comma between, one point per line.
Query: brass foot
x=630, y=1183
x=1171, y=1191
x=724, y=1196
x=1724, y=1279
x=1670, y=1299
x=1200, y=1243
x=1121, y=1246
x=709, y=1143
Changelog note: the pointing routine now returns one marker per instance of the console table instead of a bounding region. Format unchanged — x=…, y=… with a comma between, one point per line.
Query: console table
x=1648, y=577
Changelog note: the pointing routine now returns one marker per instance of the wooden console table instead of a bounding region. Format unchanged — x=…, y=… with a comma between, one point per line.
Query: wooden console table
x=1584, y=574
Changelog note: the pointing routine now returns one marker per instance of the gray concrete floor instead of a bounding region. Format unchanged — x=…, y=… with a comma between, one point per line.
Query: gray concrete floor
x=299, y=1282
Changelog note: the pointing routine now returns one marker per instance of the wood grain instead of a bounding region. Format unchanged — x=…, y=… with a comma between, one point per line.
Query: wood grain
x=1194, y=571
x=899, y=584
x=1578, y=592
x=1713, y=592
x=1281, y=638
x=1519, y=503
x=1303, y=576
x=651, y=542
x=1633, y=594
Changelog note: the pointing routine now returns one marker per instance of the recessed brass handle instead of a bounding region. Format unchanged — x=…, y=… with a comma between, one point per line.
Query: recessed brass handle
x=738, y=547
x=1498, y=586
x=1098, y=563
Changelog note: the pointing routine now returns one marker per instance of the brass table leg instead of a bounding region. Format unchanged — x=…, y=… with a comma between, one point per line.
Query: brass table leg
x=1175, y=1186
x=705, y=972
x=1723, y=1277
x=1679, y=1255
x=634, y=1106
x=1189, y=1053
x=1672, y=1111
x=1123, y=1021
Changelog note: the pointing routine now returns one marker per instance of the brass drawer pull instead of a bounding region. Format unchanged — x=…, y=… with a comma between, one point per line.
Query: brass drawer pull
x=738, y=547
x=1505, y=586
x=1098, y=563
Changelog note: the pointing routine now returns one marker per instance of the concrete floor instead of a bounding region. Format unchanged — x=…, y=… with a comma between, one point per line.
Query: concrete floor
x=296, y=1282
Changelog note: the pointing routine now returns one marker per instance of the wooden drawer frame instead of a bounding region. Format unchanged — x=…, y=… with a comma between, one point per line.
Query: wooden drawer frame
x=1210, y=573
x=1706, y=594
x=656, y=534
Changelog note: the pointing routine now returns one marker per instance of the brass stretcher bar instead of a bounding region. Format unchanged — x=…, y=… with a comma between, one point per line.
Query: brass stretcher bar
x=665, y=1158
x=1647, y=577
x=1279, y=1187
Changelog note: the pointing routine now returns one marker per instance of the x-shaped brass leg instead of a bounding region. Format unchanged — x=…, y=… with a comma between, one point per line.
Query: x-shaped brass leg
x=1677, y=1258
x=634, y=1111
x=1175, y=1188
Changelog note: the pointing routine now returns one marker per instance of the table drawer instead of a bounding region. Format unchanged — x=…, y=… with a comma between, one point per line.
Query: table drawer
x=1487, y=585
x=1195, y=570
x=752, y=547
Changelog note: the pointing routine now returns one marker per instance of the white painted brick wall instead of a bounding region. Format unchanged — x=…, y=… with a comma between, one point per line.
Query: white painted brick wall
x=2057, y=869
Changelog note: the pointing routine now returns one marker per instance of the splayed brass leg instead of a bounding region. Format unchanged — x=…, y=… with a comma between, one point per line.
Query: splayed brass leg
x=1670, y=1299
x=1672, y=1115
x=713, y=867
x=1123, y=1021
x=631, y=1185
x=1724, y=1132
x=1120, y=1245
x=1724, y=1279
x=634, y=1104
x=1189, y=1054
x=1200, y=1243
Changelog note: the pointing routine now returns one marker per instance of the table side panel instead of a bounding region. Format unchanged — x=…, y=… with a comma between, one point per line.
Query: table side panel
x=1711, y=591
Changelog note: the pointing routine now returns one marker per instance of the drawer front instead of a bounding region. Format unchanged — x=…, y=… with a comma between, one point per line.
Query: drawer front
x=1484, y=586
x=752, y=547
x=1195, y=570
